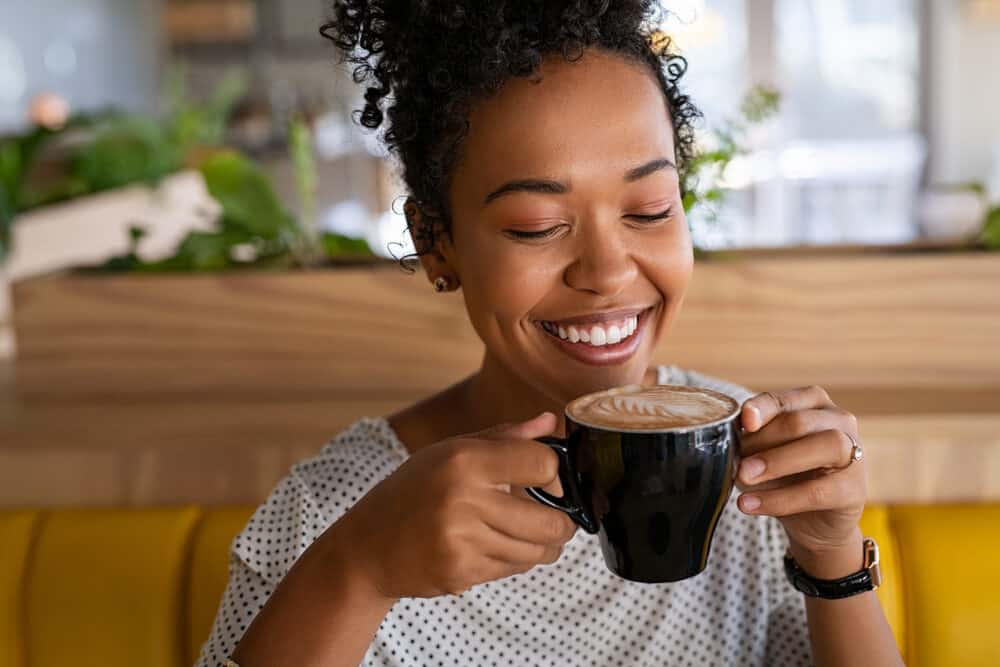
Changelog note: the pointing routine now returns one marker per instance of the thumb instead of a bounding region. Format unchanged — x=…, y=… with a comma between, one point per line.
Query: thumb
x=536, y=427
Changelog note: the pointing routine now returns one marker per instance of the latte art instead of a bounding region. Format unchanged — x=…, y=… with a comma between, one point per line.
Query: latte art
x=658, y=407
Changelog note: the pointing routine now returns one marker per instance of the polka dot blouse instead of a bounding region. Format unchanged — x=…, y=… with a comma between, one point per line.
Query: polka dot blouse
x=739, y=611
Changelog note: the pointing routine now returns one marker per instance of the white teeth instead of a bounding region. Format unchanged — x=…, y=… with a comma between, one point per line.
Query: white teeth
x=597, y=335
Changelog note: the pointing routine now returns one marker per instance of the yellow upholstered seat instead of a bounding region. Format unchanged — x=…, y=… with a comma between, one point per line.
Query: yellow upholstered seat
x=105, y=588
x=210, y=572
x=950, y=558
x=16, y=533
x=875, y=523
x=140, y=587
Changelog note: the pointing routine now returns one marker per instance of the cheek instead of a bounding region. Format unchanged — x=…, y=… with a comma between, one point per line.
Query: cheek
x=502, y=281
x=668, y=262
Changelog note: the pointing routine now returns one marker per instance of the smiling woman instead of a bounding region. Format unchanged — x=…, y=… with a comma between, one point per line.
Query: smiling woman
x=541, y=145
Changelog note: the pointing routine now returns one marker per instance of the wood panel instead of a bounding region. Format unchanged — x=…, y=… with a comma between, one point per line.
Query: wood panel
x=224, y=454
x=161, y=389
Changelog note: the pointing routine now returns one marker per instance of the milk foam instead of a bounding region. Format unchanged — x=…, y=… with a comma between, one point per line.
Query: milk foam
x=638, y=407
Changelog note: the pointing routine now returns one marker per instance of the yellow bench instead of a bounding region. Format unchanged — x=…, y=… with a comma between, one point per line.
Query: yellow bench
x=110, y=587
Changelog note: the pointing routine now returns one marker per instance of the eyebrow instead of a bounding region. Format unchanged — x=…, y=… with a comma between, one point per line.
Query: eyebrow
x=551, y=187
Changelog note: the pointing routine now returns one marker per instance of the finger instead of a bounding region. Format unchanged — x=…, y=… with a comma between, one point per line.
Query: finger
x=536, y=427
x=517, y=463
x=506, y=549
x=764, y=407
x=496, y=569
x=829, y=449
x=828, y=492
x=527, y=520
x=790, y=426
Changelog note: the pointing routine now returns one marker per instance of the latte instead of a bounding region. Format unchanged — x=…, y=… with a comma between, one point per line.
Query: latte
x=636, y=407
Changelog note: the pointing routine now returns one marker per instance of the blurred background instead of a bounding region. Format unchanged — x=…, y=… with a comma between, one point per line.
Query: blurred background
x=197, y=288
x=883, y=131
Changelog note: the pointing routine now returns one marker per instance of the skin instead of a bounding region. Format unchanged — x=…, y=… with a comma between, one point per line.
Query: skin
x=598, y=260
x=435, y=526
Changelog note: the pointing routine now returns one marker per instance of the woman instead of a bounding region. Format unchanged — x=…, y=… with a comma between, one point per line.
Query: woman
x=541, y=145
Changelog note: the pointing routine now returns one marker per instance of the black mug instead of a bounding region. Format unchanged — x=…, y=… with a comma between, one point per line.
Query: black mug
x=653, y=496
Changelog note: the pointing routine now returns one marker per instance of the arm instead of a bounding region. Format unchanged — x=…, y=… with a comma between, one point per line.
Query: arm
x=798, y=466
x=322, y=613
x=851, y=631
x=438, y=525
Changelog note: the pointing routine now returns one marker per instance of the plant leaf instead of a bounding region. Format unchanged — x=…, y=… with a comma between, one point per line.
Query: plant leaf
x=244, y=191
x=336, y=245
x=991, y=230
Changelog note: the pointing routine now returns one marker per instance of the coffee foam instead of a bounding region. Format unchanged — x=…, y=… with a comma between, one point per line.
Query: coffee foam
x=636, y=407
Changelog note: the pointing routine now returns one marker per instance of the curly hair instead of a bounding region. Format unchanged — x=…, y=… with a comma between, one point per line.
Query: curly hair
x=428, y=61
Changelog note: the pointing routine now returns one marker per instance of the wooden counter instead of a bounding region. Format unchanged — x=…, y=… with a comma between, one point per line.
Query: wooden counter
x=156, y=389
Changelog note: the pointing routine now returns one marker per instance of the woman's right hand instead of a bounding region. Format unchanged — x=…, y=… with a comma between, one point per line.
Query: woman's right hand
x=446, y=520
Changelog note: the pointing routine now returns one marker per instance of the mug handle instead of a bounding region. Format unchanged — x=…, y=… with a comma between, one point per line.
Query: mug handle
x=570, y=503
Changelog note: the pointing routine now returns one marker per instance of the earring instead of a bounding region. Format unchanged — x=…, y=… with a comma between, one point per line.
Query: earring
x=441, y=283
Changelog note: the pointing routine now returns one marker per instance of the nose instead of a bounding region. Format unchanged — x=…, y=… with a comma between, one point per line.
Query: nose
x=603, y=264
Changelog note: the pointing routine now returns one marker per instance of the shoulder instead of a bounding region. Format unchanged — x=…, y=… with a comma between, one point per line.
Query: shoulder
x=315, y=493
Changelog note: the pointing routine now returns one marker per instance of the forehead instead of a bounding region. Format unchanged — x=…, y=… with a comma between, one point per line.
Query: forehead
x=599, y=115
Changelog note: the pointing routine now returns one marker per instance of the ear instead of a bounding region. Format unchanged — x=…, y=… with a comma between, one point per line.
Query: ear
x=433, y=250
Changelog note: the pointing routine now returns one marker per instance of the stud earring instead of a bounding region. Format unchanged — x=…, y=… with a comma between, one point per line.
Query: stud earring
x=440, y=283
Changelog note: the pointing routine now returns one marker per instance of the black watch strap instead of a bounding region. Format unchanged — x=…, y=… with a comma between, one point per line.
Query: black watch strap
x=868, y=578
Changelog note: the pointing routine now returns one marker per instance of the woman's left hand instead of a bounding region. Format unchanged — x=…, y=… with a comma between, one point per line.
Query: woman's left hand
x=797, y=465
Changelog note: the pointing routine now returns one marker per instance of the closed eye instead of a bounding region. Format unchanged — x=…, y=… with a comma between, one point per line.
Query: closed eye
x=541, y=234
x=652, y=218
x=551, y=231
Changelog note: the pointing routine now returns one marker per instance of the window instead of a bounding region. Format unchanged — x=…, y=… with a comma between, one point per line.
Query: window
x=842, y=160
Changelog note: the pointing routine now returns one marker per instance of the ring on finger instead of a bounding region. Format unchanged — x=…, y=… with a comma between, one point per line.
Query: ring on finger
x=857, y=453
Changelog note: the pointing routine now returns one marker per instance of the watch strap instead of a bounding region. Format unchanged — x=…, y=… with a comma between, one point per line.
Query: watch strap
x=868, y=578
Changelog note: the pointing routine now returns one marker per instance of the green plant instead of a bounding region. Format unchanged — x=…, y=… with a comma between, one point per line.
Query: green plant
x=703, y=178
x=990, y=235
x=107, y=149
x=254, y=229
x=300, y=143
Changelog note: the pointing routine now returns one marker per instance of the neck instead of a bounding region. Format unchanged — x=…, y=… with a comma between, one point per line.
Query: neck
x=493, y=395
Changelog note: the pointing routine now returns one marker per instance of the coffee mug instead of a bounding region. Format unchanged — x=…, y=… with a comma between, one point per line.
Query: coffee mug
x=648, y=469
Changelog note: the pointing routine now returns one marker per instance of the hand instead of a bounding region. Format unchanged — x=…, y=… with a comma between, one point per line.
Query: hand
x=447, y=520
x=797, y=466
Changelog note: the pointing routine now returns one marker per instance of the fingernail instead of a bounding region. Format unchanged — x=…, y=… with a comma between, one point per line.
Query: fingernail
x=755, y=411
x=750, y=503
x=752, y=467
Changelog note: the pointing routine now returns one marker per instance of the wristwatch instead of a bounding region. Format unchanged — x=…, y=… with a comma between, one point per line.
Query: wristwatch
x=868, y=578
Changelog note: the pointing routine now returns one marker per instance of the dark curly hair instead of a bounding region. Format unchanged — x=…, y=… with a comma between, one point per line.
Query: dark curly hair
x=428, y=61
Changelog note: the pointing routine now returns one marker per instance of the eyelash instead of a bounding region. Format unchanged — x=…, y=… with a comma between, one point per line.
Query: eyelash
x=645, y=219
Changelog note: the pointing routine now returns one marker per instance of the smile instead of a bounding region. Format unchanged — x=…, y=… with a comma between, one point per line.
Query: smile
x=601, y=339
x=597, y=334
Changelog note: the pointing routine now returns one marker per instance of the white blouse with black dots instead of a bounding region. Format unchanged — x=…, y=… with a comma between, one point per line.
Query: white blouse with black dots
x=739, y=611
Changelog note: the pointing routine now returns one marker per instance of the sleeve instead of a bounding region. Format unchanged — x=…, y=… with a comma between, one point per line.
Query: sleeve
x=261, y=555
x=787, y=626
x=244, y=596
